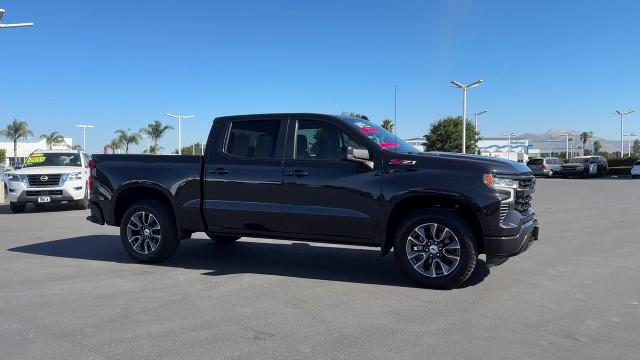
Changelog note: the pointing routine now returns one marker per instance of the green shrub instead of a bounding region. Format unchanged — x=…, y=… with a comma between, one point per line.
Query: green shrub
x=620, y=170
x=628, y=161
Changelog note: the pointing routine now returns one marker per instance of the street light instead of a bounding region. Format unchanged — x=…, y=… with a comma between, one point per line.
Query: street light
x=566, y=154
x=509, y=151
x=475, y=118
x=148, y=143
x=84, y=134
x=622, y=114
x=629, y=136
x=2, y=11
x=464, y=88
x=179, y=117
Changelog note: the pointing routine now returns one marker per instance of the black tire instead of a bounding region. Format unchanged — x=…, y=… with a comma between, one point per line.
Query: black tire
x=17, y=208
x=223, y=239
x=467, y=248
x=83, y=204
x=168, y=242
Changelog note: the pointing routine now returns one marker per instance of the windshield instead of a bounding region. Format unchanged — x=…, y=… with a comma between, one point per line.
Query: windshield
x=53, y=159
x=381, y=136
x=579, y=161
x=535, y=162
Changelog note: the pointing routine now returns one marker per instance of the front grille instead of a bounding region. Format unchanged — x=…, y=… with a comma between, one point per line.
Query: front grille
x=523, y=203
x=44, y=192
x=44, y=180
x=528, y=183
x=504, y=209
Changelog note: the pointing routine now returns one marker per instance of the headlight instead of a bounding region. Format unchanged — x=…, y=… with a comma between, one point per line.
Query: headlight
x=495, y=182
x=19, y=178
x=71, y=177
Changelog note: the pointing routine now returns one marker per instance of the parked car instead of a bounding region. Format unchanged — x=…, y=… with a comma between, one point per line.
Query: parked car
x=584, y=166
x=50, y=176
x=321, y=178
x=635, y=170
x=547, y=166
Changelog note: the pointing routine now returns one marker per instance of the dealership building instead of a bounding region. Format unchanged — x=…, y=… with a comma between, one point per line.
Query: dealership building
x=500, y=147
x=27, y=147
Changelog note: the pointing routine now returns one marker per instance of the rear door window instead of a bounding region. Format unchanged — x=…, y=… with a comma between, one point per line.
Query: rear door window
x=253, y=138
x=536, y=162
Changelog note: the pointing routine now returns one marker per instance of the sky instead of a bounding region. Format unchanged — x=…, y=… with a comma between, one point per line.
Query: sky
x=546, y=64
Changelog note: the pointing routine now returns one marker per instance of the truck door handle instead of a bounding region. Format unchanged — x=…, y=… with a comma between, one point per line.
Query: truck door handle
x=219, y=171
x=298, y=173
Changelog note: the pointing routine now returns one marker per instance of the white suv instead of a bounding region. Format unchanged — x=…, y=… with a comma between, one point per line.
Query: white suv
x=50, y=176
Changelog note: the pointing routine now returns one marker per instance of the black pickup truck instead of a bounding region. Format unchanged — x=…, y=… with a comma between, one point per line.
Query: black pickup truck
x=323, y=178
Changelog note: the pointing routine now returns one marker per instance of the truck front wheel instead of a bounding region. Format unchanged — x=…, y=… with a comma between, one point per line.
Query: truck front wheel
x=435, y=248
x=148, y=232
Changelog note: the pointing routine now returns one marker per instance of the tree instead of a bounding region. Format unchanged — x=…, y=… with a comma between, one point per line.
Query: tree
x=3, y=156
x=153, y=149
x=584, y=137
x=53, y=138
x=446, y=135
x=388, y=124
x=77, y=147
x=155, y=131
x=193, y=149
x=597, y=145
x=126, y=138
x=116, y=144
x=359, y=116
x=15, y=131
x=636, y=147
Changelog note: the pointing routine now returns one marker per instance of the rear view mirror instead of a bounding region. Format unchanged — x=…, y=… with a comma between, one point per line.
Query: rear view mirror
x=360, y=156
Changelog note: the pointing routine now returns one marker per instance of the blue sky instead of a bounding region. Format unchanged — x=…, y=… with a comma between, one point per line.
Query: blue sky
x=121, y=64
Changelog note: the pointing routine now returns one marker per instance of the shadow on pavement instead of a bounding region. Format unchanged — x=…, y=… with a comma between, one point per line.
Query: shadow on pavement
x=300, y=260
x=5, y=209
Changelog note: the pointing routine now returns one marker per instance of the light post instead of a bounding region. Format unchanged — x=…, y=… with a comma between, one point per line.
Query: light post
x=566, y=154
x=475, y=122
x=2, y=11
x=84, y=134
x=629, y=136
x=148, y=143
x=464, y=88
x=509, y=149
x=179, y=117
x=622, y=114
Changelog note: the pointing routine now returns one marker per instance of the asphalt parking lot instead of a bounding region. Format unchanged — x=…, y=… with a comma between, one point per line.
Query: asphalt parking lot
x=69, y=291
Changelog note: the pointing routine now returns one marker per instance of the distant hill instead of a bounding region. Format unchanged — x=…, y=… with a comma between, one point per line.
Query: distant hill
x=539, y=141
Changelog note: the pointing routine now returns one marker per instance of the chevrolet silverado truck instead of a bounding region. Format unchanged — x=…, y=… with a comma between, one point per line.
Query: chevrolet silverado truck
x=50, y=176
x=322, y=178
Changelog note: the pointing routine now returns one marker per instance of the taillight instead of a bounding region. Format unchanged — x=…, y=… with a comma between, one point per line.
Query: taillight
x=92, y=173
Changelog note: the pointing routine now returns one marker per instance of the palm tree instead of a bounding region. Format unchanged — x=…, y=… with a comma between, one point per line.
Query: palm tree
x=16, y=130
x=155, y=131
x=387, y=124
x=53, y=138
x=116, y=144
x=127, y=138
x=153, y=149
x=76, y=147
x=584, y=137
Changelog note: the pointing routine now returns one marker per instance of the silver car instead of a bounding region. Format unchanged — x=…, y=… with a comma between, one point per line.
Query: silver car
x=544, y=166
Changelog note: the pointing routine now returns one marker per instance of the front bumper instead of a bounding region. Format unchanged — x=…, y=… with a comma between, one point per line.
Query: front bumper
x=572, y=172
x=500, y=248
x=70, y=191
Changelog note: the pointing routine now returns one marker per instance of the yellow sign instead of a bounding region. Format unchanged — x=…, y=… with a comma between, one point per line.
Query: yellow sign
x=35, y=159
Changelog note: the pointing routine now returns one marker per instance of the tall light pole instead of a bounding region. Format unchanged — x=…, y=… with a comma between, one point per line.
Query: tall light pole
x=179, y=117
x=566, y=154
x=475, y=118
x=148, y=143
x=84, y=134
x=509, y=149
x=2, y=11
x=629, y=136
x=464, y=88
x=622, y=114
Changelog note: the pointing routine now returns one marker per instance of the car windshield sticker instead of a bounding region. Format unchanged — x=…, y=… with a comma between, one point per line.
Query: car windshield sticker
x=387, y=145
x=368, y=130
x=35, y=159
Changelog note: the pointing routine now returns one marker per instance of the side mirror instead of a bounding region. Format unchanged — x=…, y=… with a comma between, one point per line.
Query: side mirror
x=360, y=156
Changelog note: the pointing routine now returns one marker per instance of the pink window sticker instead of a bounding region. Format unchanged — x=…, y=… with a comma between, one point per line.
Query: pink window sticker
x=387, y=145
x=368, y=130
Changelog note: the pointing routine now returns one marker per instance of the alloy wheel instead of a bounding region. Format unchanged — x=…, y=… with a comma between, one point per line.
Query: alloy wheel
x=143, y=232
x=433, y=250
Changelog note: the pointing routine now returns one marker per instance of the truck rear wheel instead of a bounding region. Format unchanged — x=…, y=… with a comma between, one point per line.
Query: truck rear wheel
x=223, y=239
x=435, y=248
x=148, y=232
